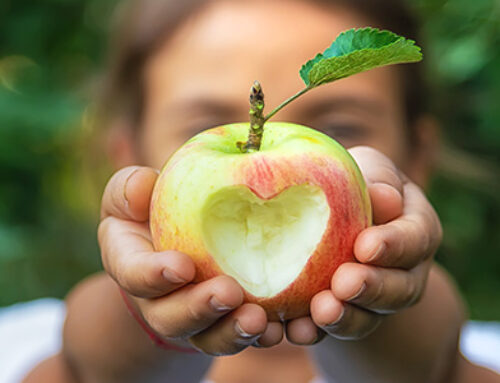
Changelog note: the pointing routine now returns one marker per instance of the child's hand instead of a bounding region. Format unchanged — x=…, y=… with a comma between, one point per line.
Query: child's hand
x=395, y=256
x=210, y=315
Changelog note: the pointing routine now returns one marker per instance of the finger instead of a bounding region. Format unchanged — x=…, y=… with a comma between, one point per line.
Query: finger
x=271, y=337
x=193, y=308
x=129, y=258
x=386, y=201
x=233, y=333
x=381, y=290
x=303, y=332
x=128, y=193
x=405, y=241
x=342, y=321
x=384, y=182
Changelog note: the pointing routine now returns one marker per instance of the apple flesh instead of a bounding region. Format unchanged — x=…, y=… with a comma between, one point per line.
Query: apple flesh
x=264, y=244
x=279, y=220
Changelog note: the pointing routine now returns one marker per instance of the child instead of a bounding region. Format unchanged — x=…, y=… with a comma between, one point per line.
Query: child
x=180, y=67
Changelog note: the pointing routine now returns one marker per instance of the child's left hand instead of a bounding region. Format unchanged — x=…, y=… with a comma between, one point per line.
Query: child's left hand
x=394, y=255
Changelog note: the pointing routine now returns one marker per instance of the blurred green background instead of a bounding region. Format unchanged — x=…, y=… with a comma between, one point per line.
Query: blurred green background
x=50, y=52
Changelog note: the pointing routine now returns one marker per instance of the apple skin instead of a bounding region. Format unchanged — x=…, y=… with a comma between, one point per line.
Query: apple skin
x=290, y=155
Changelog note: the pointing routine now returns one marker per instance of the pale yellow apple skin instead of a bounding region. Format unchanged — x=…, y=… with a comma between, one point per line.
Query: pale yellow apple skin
x=290, y=155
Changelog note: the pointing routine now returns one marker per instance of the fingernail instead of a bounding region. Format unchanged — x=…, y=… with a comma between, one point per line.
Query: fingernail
x=170, y=276
x=242, y=333
x=126, y=183
x=319, y=336
x=218, y=306
x=256, y=344
x=359, y=292
x=338, y=320
x=380, y=250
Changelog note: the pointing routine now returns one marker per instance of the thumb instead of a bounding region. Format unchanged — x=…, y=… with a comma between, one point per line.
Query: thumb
x=128, y=194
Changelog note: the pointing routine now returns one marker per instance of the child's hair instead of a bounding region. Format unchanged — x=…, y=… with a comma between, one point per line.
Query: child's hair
x=141, y=25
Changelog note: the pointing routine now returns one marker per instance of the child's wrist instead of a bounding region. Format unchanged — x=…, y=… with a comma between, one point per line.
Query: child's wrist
x=155, y=338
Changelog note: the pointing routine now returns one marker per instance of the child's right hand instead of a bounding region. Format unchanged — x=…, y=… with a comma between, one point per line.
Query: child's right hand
x=210, y=315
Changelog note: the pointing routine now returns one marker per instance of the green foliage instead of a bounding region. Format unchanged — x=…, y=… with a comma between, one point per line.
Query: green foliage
x=49, y=51
x=358, y=50
x=463, y=65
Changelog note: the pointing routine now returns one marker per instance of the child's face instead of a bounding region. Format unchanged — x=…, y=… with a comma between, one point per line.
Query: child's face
x=202, y=75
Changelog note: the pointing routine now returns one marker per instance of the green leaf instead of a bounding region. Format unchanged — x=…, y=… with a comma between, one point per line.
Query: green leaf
x=358, y=50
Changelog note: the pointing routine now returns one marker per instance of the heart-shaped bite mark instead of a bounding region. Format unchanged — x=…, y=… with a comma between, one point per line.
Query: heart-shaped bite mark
x=264, y=244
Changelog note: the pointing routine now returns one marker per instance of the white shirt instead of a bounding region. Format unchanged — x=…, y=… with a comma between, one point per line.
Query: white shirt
x=31, y=332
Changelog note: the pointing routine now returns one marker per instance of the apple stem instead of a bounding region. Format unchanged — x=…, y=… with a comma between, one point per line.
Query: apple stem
x=286, y=102
x=256, y=120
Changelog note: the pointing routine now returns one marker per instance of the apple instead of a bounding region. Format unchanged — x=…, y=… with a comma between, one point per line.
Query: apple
x=280, y=220
x=279, y=212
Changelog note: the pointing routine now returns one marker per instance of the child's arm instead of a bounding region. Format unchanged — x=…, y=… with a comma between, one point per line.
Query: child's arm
x=52, y=370
x=103, y=343
x=420, y=344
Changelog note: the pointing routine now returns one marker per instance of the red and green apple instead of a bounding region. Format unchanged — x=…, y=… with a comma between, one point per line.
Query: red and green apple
x=279, y=220
x=279, y=212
